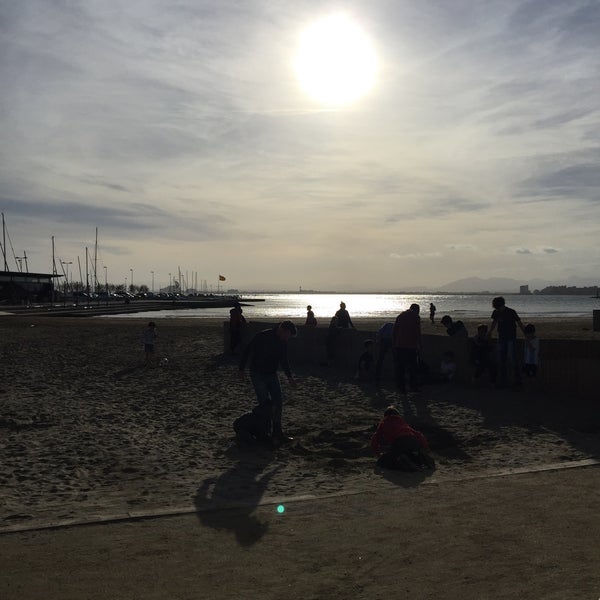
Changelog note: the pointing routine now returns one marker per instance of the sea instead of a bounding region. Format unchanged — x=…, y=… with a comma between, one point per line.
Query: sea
x=387, y=306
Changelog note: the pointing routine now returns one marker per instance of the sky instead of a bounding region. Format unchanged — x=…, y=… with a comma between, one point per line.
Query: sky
x=181, y=131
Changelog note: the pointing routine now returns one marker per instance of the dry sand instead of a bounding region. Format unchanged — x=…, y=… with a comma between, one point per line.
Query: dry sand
x=87, y=433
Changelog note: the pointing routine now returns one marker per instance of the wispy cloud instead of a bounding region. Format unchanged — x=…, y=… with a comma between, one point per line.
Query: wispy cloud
x=180, y=131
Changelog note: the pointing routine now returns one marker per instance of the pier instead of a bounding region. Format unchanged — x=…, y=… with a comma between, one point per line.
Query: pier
x=96, y=308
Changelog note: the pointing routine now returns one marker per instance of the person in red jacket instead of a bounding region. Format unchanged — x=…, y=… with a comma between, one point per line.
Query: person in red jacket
x=398, y=445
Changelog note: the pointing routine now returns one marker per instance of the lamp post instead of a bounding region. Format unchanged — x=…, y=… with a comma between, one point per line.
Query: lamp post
x=66, y=264
x=152, y=281
x=131, y=286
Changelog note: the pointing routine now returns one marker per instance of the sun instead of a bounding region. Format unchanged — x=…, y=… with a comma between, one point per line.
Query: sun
x=335, y=63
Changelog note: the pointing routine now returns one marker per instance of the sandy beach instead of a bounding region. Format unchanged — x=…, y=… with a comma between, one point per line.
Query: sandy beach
x=88, y=434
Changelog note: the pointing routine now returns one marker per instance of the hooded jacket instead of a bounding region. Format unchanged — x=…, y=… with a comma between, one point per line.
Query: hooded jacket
x=392, y=427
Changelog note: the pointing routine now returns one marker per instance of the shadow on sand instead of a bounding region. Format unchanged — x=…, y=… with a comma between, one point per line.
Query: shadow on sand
x=130, y=370
x=403, y=479
x=228, y=502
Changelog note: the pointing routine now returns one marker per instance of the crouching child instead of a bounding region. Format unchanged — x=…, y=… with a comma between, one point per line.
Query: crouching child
x=399, y=446
x=254, y=427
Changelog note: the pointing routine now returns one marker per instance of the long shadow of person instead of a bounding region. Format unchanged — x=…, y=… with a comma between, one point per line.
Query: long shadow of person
x=228, y=501
x=416, y=411
x=415, y=408
x=129, y=370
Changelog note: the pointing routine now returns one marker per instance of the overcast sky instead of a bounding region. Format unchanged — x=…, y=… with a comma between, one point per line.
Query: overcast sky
x=179, y=129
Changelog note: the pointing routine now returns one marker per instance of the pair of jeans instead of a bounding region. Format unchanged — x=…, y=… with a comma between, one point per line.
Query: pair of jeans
x=269, y=397
x=405, y=453
x=407, y=360
x=385, y=346
x=506, y=353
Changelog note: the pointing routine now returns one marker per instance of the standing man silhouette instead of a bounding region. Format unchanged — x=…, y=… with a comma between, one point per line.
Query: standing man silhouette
x=407, y=343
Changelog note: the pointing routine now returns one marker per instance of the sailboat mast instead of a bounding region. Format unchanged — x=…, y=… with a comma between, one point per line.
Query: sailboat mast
x=87, y=276
x=54, y=272
x=96, y=263
x=54, y=297
x=80, y=275
x=4, y=243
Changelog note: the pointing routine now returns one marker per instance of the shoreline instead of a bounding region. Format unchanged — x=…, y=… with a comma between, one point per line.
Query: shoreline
x=576, y=328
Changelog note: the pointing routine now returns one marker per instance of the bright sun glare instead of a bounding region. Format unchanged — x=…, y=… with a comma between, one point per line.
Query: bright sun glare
x=336, y=63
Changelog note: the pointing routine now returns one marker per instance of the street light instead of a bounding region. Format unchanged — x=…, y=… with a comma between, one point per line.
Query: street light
x=67, y=263
x=63, y=263
x=152, y=281
x=131, y=271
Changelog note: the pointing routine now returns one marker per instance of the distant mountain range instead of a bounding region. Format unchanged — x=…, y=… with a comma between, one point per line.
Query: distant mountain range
x=504, y=285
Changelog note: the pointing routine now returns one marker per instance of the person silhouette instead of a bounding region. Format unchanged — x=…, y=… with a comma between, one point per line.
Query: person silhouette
x=265, y=353
x=432, y=310
x=310, y=317
x=407, y=344
x=343, y=318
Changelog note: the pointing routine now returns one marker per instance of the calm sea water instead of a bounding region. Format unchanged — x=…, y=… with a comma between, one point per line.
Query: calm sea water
x=387, y=306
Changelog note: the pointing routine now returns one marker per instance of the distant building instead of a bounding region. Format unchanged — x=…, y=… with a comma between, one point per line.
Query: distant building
x=524, y=290
x=17, y=287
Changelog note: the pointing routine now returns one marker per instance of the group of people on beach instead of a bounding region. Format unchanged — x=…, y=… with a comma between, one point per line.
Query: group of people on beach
x=505, y=320
x=402, y=338
x=396, y=443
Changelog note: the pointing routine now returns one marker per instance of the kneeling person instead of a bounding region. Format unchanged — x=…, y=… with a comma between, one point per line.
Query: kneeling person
x=254, y=427
x=398, y=445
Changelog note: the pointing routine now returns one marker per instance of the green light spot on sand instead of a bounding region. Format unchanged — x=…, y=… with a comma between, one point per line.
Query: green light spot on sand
x=281, y=509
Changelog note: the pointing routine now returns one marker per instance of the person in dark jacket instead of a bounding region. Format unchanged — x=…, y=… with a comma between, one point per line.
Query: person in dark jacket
x=406, y=340
x=385, y=343
x=311, y=321
x=506, y=320
x=455, y=329
x=343, y=318
x=265, y=353
x=237, y=322
x=365, y=361
x=482, y=355
x=254, y=427
x=398, y=445
x=432, y=310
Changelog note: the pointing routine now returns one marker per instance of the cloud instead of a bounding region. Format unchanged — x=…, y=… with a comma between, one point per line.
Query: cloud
x=135, y=219
x=179, y=130
x=415, y=256
x=468, y=247
x=572, y=176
